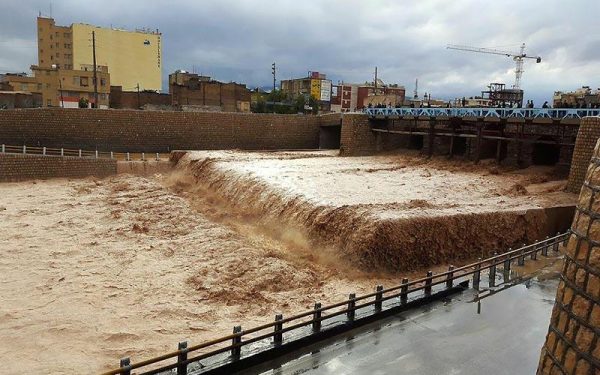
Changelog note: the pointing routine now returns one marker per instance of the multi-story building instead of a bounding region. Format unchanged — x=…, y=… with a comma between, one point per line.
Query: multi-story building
x=315, y=85
x=60, y=87
x=582, y=97
x=65, y=88
x=349, y=97
x=133, y=57
x=189, y=90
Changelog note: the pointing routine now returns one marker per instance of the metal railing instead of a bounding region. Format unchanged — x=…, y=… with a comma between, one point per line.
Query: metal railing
x=377, y=303
x=80, y=153
x=484, y=112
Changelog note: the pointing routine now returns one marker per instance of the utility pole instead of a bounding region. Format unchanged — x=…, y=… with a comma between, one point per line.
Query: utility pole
x=95, y=69
x=375, y=80
x=273, y=66
x=138, y=95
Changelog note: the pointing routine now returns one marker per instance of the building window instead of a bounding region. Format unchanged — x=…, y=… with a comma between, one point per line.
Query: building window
x=51, y=57
x=47, y=85
x=57, y=54
x=49, y=102
x=102, y=81
x=56, y=33
x=76, y=81
x=84, y=81
x=51, y=37
x=24, y=87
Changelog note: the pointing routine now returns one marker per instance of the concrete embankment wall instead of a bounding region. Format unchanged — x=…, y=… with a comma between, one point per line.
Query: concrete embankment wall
x=15, y=167
x=159, y=131
x=573, y=344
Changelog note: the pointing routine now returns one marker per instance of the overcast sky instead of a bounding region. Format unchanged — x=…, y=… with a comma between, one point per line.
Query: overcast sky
x=237, y=40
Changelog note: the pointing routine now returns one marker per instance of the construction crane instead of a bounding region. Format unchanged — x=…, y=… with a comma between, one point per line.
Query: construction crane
x=516, y=56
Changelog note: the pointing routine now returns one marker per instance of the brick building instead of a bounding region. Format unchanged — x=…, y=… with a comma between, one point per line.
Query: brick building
x=189, y=89
x=136, y=100
x=349, y=97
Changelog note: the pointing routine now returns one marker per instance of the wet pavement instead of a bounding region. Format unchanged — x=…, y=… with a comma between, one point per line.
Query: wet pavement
x=447, y=337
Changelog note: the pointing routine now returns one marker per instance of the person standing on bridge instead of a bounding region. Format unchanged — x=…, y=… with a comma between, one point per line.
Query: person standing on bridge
x=545, y=105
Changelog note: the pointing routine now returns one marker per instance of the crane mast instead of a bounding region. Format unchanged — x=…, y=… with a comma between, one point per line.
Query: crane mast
x=518, y=57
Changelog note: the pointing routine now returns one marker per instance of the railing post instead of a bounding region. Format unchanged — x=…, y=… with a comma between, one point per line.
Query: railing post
x=545, y=247
x=127, y=157
x=143, y=157
x=351, y=303
x=278, y=337
x=157, y=157
x=566, y=238
x=556, y=242
x=236, y=351
x=378, y=297
x=62, y=152
x=492, y=278
x=477, y=274
x=125, y=365
x=44, y=150
x=428, y=282
x=96, y=154
x=535, y=250
x=521, y=258
x=507, y=267
x=3, y=148
x=79, y=152
x=404, y=290
x=24, y=149
x=450, y=277
x=112, y=155
x=182, y=357
x=316, y=324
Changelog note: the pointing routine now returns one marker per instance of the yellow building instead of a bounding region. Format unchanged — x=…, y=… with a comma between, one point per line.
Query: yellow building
x=132, y=57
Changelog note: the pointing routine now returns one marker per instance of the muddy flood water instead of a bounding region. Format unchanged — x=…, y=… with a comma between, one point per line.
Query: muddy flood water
x=94, y=270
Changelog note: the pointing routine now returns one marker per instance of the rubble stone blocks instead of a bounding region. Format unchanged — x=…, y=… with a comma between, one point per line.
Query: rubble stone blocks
x=589, y=132
x=572, y=345
x=16, y=167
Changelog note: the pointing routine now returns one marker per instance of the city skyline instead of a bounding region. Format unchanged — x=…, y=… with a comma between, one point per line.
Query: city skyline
x=238, y=41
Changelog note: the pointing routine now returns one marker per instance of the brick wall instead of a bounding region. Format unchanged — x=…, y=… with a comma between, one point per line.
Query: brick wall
x=589, y=132
x=14, y=167
x=572, y=345
x=156, y=131
x=356, y=137
x=129, y=99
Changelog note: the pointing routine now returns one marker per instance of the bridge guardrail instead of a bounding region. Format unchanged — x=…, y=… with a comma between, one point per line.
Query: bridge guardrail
x=394, y=296
x=47, y=151
x=487, y=112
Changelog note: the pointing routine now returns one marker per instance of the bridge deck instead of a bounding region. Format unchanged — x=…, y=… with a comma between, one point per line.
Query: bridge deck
x=485, y=113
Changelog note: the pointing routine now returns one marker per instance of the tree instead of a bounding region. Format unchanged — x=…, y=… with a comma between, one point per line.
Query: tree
x=83, y=103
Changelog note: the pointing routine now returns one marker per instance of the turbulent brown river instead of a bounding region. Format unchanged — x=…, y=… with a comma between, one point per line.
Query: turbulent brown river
x=94, y=270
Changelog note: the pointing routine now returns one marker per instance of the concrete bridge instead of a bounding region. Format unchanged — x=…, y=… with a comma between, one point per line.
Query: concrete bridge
x=552, y=114
x=511, y=136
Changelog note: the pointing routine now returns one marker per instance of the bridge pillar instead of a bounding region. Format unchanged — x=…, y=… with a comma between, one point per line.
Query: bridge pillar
x=432, y=123
x=479, y=140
